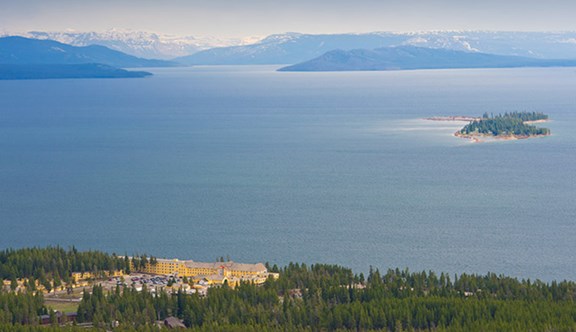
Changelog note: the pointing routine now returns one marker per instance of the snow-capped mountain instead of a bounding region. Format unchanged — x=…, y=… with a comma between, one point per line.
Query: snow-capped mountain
x=549, y=45
x=290, y=48
x=138, y=43
x=294, y=47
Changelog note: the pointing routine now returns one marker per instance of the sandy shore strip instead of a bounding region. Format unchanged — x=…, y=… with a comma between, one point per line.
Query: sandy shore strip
x=453, y=118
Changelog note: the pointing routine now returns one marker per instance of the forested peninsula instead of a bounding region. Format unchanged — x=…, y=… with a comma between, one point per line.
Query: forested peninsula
x=317, y=297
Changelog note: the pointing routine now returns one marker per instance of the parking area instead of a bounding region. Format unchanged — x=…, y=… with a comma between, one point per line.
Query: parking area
x=139, y=280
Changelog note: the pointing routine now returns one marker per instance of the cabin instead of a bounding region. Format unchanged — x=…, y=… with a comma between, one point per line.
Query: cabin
x=173, y=323
x=62, y=318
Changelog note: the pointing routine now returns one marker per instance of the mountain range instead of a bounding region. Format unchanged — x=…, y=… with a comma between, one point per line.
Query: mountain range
x=138, y=43
x=369, y=51
x=19, y=51
x=292, y=48
x=24, y=58
x=411, y=57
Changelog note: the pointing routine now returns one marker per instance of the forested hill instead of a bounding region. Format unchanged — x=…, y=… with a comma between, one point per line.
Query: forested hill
x=24, y=58
x=411, y=57
x=26, y=51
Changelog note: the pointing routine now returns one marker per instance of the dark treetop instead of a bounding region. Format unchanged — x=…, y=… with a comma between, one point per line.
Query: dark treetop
x=506, y=125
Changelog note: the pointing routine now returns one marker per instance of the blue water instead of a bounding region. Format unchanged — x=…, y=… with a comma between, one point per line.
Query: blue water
x=205, y=162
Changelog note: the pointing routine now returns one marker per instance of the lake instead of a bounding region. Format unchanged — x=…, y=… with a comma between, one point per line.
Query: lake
x=204, y=162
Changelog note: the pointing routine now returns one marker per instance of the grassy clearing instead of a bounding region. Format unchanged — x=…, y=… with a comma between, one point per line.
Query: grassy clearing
x=63, y=306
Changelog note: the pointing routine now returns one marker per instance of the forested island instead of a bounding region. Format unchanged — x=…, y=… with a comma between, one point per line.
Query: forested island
x=317, y=297
x=514, y=125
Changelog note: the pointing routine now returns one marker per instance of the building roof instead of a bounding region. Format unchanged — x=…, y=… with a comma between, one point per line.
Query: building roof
x=173, y=322
x=259, y=267
x=230, y=265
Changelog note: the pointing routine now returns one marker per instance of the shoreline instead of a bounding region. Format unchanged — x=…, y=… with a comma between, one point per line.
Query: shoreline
x=453, y=118
x=479, y=138
x=537, y=121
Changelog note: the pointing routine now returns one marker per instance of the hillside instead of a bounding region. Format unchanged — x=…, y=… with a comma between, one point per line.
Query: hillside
x=25, y=51
x=292, y=48
x=285, y=48
x=410, y=57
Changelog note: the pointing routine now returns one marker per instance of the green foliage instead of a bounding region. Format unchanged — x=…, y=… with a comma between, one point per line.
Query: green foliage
x=507, y=124
x=321, y=298
x=57, y=264
x=20, y=308
x=126, y=306
x=54, y=263
x=35, y=328
x=332, y=298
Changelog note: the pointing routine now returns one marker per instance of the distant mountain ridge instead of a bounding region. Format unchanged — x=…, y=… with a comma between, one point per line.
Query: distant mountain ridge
x=292, y=48
x=411, y=57
x=20, y=50
x=138, y=43
x=282, y=49
x=25, y=58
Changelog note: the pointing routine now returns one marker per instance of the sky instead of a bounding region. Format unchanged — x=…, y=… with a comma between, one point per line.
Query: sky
x=242, y=18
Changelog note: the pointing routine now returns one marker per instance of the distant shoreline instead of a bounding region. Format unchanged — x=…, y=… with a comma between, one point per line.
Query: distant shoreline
x=66, y=71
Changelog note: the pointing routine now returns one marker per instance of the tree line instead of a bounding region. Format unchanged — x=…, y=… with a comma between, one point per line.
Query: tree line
x=523, y=116
x=331, y=298
x=317, y=297
x=21, y=308
x=52, y=266
x=507, y=124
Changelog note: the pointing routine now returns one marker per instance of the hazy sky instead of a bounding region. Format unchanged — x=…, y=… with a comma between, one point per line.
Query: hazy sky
x=239, y=18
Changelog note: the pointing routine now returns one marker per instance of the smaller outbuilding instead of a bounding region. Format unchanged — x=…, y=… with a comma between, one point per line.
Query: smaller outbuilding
x=173, y=323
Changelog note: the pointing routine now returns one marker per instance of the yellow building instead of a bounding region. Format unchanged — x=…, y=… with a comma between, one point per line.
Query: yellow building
x=78, y=276
x=216, y=280
x=189, y=268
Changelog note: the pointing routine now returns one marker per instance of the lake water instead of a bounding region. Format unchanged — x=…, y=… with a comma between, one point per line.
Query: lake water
x=205, y=162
